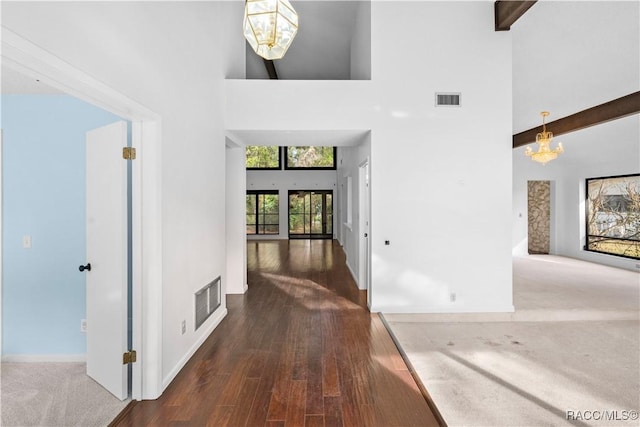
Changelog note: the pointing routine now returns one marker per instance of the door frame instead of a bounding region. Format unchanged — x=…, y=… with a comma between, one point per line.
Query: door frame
x=31, y=60
x=364, y=243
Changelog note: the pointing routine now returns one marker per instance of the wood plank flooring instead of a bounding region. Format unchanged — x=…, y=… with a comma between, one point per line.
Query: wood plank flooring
x=298, y=349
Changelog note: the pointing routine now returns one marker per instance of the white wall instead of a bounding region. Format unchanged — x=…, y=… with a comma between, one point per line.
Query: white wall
x=361, y=43
x=441, y=189
x=133, y=47
x=449, y=167
x=283, y=181
x=235, y=220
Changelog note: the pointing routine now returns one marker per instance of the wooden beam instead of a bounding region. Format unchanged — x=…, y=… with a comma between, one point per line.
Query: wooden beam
x=271, y=69
x=508, y=12
x=612, y=110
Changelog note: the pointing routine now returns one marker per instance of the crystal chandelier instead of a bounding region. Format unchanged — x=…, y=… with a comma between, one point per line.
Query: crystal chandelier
x=544, y=153
x=270, y=26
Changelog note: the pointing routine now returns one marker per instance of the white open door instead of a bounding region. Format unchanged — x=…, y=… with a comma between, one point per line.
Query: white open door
x=106, y=193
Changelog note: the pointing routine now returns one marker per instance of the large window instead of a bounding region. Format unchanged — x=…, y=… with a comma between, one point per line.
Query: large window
x=613, y=215
x=310, y=157
x=263, y=157
x=263, y=212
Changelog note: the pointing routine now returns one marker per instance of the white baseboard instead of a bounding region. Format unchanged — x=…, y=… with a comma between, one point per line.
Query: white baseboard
x=499, y=313
x=355, y=278
x=43, y=358
x=213, y=323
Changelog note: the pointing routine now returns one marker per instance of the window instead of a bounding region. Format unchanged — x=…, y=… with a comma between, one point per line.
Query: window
x=263, y=157
x=310, y=157
x=263, y=212
x=613, y=215
x=311, y=214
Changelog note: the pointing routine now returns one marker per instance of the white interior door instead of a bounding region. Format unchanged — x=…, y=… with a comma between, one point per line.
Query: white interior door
x=106, y=195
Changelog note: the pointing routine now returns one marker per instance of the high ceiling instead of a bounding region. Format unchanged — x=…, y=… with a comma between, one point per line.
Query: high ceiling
x=14, y=82
x=567, y=56
x=321, y=50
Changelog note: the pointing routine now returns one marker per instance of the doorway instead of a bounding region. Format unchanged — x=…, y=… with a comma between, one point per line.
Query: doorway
x=364, y=251
x=35, y=62
x=311, y=214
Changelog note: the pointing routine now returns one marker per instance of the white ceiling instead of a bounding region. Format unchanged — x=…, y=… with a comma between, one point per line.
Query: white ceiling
x=322, y=48
x=573, y=55
x=14, y=82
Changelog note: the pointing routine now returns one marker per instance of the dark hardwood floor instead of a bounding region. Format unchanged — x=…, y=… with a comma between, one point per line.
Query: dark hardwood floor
x=298, y=349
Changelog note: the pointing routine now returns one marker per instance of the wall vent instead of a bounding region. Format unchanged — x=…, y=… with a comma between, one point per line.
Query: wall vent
x=208, y=299
x=447, y=99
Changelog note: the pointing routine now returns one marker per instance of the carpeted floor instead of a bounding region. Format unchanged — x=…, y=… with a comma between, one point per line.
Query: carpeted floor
x=571, y=349
x=54, y=394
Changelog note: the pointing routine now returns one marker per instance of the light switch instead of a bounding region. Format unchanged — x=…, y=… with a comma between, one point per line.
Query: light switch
x=26, y=242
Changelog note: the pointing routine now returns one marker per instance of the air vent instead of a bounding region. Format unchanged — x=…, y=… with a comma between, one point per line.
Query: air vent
x=207, y=301
x=448, y=99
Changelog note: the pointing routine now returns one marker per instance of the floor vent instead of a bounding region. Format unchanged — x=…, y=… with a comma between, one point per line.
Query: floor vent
x=207, y=301
x=448, y=99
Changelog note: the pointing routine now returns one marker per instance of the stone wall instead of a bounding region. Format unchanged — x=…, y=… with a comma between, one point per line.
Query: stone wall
x=539, y=216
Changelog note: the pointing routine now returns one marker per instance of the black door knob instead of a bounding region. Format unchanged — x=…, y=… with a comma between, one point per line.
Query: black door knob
x=85, y=267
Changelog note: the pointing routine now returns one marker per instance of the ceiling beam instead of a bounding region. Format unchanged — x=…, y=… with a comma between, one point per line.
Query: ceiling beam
x=612, y=110
x=508, y=12
x=271, y=69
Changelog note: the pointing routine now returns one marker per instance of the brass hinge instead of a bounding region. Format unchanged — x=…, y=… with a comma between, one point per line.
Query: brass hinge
x=128, y=153
x=129, y=357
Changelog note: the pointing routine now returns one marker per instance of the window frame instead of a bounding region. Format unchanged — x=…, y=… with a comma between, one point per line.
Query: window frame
x=586, y=217
x=256, y=194
x=313, y=168
x=328, y=227
x=279, y=167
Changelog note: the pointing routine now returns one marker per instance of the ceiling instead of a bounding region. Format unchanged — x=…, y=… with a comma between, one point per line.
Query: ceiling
x=322, y=48
x=14, y=82
x=596, y=61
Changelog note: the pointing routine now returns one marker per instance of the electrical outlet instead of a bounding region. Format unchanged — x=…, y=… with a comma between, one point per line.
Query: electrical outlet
x=184, y=327
x=26, y=242
x=83, y=325
x=452, y=297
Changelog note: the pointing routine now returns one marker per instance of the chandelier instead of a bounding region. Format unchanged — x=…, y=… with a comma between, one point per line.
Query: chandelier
x=270, y=26
x=544, y=153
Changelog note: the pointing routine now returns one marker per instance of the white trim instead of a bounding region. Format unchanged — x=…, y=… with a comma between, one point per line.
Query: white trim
x=353, y=275
x=1, y=238
x=31, y=60
x=213, y=323
x=416, y=309
x=43, y=358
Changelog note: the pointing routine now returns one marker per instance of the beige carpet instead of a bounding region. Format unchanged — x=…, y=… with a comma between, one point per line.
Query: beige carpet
x=54, y=394
x=573, y=351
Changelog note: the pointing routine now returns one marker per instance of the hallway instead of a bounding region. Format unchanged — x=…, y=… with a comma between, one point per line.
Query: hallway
x=299, y=348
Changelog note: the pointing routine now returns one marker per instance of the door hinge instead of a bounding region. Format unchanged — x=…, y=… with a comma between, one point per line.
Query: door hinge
x=129, y=357
x=128, y=153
